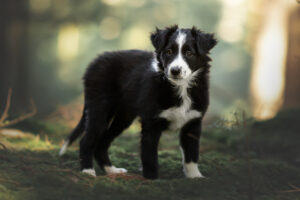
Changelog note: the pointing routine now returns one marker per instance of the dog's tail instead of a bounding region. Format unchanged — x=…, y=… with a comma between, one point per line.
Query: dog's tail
x=77, y=132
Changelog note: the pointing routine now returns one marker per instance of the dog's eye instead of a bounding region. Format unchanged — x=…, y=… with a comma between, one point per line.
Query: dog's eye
x=169, y=52
x=189, y=54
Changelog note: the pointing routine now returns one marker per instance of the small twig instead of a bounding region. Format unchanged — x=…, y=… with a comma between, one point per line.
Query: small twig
x=69, y=162
x=22, y=117
x=7, y=106
x=3, y=146
x=64, y=170
x=9, y=181
x=294, y=189
x=125, y=176
x=192, y=136
x=289, y=191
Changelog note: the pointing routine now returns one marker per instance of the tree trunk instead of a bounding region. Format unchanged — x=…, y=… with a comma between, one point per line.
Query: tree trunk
x=14, y=69
x=292, y=86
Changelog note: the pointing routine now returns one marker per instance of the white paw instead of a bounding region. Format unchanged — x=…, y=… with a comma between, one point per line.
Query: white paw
x=191, y=170
x=91, y=172
x=194, y=175
x=114, y=170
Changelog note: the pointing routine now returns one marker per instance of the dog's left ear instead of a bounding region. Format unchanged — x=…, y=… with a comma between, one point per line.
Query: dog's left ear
x=204, y=41
x=160, y=36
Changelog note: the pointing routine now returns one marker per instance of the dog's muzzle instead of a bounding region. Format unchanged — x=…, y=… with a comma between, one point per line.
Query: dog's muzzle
x=175, y=72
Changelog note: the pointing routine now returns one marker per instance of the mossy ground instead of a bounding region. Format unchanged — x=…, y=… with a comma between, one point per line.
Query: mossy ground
x=258, y=161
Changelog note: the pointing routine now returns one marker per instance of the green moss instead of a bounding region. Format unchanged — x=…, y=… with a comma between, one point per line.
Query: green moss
x=55, y=131
x=258, y=162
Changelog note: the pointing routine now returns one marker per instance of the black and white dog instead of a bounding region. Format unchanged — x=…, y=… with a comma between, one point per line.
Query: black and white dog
x=167, y=89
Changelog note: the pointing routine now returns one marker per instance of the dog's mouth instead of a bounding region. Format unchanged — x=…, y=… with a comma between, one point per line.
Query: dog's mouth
x=176, y=78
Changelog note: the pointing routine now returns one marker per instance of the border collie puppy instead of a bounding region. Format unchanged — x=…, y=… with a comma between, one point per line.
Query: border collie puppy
x=167, y=89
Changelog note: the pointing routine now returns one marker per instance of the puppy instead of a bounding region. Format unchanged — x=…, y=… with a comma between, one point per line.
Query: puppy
x=168, y=89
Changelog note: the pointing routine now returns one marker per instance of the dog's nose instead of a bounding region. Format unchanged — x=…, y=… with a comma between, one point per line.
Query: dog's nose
x=175, y=71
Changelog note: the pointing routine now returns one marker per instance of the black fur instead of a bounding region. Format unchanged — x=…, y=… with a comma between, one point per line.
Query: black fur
x=119, y=86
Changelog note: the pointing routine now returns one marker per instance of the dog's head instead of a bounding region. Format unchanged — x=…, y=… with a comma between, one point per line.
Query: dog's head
x=182, y=53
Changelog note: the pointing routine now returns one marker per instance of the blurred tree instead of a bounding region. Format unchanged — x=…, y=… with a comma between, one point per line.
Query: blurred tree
x=292, y=85
x=46, y=45
x=14, y=70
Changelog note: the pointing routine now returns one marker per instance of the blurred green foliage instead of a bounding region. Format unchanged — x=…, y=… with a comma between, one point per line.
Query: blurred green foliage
x=64, y=36
x=48, y=44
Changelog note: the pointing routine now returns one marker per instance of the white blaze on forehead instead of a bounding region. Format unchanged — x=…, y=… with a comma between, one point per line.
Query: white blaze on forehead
x=180, y=40
x=179, y=61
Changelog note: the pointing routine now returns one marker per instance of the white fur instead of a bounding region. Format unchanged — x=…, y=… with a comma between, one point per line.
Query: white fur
x=182, y=155
x=190, y=169
x=179, y=61
x=64, y=147
x=178, y=116
x=154, y=64
x=113, y=170
x=91, y=172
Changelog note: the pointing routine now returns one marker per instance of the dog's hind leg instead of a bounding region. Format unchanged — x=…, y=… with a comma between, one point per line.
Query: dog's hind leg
x=96, y=124
x=120, y=122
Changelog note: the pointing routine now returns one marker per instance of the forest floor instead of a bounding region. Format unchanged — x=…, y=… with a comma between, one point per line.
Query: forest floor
x=251, y=160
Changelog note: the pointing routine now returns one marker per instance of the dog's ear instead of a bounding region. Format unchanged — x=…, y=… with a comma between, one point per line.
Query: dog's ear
x=211, y=41
x=160, y=36
x=204, y=41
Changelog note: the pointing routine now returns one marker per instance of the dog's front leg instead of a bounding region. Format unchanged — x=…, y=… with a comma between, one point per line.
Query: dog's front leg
x=149, y=144
x=189, y=142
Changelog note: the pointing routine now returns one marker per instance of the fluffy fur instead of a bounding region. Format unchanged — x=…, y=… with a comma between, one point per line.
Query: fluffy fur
x=167, y=89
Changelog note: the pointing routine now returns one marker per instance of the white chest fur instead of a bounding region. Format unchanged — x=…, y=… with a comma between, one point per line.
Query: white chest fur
x=179, y=116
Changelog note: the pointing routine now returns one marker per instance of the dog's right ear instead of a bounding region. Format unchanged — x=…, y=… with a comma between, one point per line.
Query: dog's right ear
x=160, y=36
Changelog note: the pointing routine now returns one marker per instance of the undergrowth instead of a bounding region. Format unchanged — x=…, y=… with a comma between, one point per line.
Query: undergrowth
x=257, y=161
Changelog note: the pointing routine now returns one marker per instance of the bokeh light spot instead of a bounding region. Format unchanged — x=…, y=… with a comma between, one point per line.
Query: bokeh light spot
x=109, y=28
x=39, y=6
x=68, y=41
